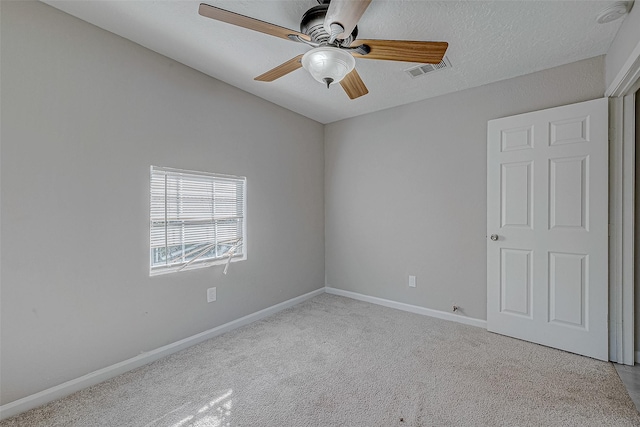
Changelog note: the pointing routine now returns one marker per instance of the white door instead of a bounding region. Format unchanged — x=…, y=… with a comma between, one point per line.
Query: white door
x=547, y=227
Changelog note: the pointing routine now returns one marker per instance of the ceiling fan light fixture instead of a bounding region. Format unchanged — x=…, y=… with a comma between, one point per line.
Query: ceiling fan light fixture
x=328, y=64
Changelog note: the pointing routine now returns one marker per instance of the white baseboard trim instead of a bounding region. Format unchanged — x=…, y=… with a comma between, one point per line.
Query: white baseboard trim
x=96, y=377
x=410, y=308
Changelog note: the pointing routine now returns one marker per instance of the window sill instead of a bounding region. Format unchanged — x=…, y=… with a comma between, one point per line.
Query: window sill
x=158, y=271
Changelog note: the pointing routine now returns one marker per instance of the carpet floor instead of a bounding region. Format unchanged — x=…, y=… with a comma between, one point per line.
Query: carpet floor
x=334, y=361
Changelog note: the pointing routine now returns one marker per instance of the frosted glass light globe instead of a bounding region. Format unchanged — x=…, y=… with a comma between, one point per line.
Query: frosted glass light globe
x=328, y=64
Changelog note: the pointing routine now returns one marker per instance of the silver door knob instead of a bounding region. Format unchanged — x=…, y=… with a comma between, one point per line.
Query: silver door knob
x=494, y=237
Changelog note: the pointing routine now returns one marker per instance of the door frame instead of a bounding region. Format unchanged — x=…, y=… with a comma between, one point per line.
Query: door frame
x=622, y=172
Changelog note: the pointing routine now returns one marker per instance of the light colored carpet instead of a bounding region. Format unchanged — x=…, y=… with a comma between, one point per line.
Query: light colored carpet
x=334, y=361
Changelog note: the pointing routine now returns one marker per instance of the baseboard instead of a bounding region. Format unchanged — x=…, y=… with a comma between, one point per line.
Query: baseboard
x=96, y=377
x=410, y=308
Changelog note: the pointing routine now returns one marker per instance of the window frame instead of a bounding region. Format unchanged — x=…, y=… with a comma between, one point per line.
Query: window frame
x=204, y=263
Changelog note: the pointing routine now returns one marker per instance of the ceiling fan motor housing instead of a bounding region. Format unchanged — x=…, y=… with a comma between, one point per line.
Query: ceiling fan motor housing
x=312, y=24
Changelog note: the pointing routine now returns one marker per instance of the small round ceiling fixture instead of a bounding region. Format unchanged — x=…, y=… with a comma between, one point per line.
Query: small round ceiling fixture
x=612, y=12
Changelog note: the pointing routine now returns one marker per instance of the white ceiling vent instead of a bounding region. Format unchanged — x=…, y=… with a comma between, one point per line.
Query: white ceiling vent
x=423, y=69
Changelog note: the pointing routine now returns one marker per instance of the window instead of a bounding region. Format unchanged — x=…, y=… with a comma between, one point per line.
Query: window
x=197, y=219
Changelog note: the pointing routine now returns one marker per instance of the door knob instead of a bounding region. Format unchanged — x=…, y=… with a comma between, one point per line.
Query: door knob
x=494, y=237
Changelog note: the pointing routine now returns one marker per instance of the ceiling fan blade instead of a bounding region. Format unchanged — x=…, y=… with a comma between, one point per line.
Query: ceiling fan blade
x=246, y=22
x=281, y=70
x=347, y=13
x=353, y=85
x=403, y=50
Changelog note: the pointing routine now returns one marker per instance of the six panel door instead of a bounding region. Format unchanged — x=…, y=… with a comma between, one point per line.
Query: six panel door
x=547, y=209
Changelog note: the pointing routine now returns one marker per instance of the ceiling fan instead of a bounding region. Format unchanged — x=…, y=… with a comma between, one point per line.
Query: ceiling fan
x=331, y=29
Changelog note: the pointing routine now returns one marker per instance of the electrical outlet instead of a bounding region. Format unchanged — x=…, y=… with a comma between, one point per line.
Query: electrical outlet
x=211, y=294
x=412, y=281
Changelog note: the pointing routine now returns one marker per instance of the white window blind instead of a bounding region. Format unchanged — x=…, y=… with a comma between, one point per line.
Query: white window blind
x=197, y=219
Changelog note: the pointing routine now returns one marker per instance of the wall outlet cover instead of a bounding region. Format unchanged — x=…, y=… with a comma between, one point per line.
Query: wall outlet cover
x=412, y=281
x=211, y=294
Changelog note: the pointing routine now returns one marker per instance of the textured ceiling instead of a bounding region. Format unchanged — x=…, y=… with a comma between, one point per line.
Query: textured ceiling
x=488, y=41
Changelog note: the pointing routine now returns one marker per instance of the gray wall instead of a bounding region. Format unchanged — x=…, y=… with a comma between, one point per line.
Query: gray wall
x=84, y=115
x=405, y=189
